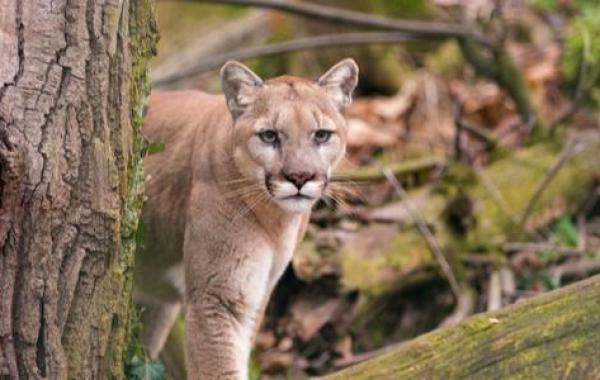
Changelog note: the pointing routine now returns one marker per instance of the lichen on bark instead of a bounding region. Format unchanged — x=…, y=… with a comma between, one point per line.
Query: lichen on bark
x=554, y=336
x=70, y=182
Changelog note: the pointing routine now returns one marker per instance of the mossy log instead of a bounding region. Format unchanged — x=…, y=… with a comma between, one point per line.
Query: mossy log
x=375, y=258
x=554, y=336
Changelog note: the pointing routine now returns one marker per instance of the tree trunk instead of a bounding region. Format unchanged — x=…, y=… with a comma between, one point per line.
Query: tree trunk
x=73, y=75
x=554, y=336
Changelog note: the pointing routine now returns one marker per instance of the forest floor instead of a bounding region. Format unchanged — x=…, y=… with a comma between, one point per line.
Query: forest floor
x=366, y=279
x=448, y=204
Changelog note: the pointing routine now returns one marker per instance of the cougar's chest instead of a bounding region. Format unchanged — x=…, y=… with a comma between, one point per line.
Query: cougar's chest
x=286, y=243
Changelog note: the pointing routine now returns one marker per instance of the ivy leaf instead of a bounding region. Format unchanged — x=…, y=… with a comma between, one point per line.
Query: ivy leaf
x=154, y=148
x=142, y=370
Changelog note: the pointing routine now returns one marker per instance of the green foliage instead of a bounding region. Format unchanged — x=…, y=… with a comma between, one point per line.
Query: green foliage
x=446, y=60
x=582, y=44
x=528, y=278
x=137, y=365
x=139, y=369
x=254, y=370
x=154, y=148
x=565, y=232
x=545, y=4
x=402, y=8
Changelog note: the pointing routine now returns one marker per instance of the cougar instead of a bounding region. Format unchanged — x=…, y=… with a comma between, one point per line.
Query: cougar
x=228, y=199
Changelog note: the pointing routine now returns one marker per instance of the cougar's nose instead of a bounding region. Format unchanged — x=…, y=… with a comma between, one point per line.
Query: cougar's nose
x=299, y=178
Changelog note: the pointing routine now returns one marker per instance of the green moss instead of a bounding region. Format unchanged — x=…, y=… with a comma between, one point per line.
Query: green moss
x=143, y=39
x=552, y=336
x=516, y=178
x=446, y=60
x=376, y=268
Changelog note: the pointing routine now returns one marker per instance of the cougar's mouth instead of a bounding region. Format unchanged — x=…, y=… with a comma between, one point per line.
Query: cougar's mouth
x=298, y=197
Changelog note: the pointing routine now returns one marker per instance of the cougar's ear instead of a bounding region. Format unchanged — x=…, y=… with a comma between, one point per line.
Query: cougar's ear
x=239, y=86
x=339, y=82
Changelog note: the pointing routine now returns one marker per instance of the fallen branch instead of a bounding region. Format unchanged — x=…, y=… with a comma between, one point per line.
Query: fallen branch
x=347, y=17
x=500, y=67
x=432, y=243
x=555, y=335
x=574, y=268
x=399, y=170
x=494, y=301
x=542, y=247
x=318, y=42
x=364, y=356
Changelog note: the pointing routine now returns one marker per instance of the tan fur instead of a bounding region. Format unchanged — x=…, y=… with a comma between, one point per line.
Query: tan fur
x=217, y=234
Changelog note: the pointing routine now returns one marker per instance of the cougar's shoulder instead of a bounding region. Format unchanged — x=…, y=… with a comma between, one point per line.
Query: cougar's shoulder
x=176, y=121
x=174, y=114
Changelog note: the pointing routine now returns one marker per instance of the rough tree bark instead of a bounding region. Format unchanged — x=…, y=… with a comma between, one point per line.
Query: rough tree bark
x=73, y=75
x=554, y=336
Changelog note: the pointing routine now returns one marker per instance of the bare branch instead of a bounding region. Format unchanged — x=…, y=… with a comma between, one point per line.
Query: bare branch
x=348, y=17
x=400, y=169
x=433, y=244
x=568, y=152
x=542, y=247
x=324, y=41
x=492, y=189
x=494, y=292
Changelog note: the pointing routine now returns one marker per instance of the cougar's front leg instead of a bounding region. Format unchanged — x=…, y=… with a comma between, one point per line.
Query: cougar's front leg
x=226, y=290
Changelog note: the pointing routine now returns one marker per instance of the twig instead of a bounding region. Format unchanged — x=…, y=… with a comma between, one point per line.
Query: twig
x=400, y=169
x=572, y=149
x=582, y=233
x=424, y=230
x=358, y=358
x=482, y=259
x=541, y=247
x=348, y=17
x=494, y=292
x=475, y=130
x=479, y=133
x=465, y=306
x=495, y=193
x=570, y=269
x=508, y=283
x=324, y=41
x=580, y=89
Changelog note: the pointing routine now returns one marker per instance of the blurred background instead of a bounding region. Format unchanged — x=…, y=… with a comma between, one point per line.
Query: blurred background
x=472, y=175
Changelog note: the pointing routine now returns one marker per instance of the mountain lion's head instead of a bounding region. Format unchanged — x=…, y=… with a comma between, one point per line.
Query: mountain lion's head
x=289, y=133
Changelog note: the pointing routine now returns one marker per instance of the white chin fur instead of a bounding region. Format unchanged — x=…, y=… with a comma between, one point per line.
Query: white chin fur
x=284, y=193
x=286, y=189
x=296, y=204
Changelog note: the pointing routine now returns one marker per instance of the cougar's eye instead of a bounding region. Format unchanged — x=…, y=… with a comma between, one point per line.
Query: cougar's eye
x=322, y=136
x=269, y=137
